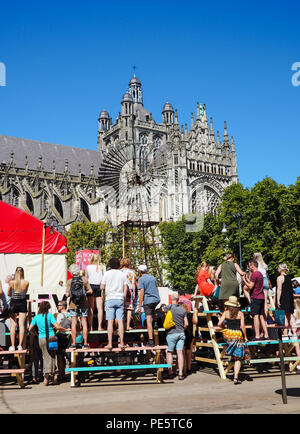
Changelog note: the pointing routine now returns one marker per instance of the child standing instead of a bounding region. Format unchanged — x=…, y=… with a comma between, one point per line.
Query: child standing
x=234, y=333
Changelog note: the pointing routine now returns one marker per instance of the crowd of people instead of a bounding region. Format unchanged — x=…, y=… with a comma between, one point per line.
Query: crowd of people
x=126, y=300
x=231, y=286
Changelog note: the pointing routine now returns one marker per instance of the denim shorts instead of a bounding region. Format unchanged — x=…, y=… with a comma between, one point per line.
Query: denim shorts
x=175, y=341
x=78, y=312
x=114, y=308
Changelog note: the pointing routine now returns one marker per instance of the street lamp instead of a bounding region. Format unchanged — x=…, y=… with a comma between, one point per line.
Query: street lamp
x=238, y=216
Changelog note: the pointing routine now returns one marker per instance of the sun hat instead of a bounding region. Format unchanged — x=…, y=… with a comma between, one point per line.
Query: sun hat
x=142, y=268
x=283, y=267
x=232, y=301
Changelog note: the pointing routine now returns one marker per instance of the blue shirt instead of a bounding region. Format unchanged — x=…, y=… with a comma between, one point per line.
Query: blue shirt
x=39, y=321
x=148, y=283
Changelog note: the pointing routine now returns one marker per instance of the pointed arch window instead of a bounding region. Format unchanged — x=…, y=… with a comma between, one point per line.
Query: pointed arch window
x=29, y=203
x=85, y=209
x=58, y=206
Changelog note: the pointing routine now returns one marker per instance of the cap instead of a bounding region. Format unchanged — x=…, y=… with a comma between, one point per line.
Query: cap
x=187, y=302
x=142, y=268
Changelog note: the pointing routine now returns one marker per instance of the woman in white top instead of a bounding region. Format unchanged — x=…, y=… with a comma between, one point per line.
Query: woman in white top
x=95, y=271
x=131, y=278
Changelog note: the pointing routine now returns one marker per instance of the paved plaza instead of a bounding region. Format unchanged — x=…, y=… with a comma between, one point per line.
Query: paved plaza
x=202, y=392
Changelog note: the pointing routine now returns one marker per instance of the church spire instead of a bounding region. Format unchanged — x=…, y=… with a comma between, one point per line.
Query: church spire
x=135, y=89
x=226, y=139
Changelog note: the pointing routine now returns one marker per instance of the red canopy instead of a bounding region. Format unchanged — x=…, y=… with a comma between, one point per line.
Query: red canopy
x=20, y=232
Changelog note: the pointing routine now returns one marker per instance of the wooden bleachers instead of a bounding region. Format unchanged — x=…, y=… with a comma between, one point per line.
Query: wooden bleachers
x=16, y=372
x=215, y=341
x=156, y=351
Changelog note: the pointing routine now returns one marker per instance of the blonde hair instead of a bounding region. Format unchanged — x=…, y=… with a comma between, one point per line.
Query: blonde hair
x=203, y=264
x=258, y=257
x=96, y=260
x=297, y=308
x=19, y=275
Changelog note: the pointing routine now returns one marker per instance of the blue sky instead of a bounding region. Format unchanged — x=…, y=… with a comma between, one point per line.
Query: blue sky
x=66, y=60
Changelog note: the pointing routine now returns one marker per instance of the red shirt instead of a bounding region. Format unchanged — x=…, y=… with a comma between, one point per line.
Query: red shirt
x=258, y=289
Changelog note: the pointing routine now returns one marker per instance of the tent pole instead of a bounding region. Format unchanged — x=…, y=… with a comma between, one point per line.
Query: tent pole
x=43, y=254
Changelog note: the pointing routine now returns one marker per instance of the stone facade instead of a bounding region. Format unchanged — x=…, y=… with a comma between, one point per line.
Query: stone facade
x=64, y=182
x=198, y=165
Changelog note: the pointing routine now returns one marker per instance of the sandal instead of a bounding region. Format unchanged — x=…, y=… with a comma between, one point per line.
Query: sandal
x=236, y=381
x=180, y=377
x=108, y=347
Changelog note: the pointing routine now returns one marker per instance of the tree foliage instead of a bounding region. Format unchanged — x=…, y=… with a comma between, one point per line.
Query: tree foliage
x=270, y=224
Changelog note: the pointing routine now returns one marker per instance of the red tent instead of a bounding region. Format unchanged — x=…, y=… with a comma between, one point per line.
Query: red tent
x=20, y=232
x=21, y=244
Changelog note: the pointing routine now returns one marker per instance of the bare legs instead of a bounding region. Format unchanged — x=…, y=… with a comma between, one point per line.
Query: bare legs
x=84, y=329
x=99, y=303
x=110, y=329
x=237, y=368
x=149, y=327
x=13, y=326
x=180, y=360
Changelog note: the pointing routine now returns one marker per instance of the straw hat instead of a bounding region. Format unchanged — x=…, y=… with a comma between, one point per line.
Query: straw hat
x=232, y=301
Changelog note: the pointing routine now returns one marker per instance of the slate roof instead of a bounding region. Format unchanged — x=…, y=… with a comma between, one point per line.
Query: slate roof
x=49, y=152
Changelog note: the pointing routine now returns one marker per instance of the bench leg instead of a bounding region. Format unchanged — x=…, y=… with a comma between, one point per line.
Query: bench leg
x=20, y=379
x=21, y=362
x=73, y=365
x=159, y=375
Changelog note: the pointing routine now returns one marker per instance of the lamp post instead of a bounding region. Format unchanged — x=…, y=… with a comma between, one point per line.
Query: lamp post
x=238, y=216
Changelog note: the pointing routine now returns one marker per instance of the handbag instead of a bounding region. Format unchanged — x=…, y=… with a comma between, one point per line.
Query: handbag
x=279, y=316
x=247, y=354
x=52, y=341
x=168, y=322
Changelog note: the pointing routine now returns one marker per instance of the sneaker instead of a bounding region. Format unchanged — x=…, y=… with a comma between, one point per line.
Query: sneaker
x=298, y=367
x=11, y=348
x=19, y=348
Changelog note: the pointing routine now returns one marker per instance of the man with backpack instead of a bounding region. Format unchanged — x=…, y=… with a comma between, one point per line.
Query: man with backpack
x=176, y=335
x=77, y=289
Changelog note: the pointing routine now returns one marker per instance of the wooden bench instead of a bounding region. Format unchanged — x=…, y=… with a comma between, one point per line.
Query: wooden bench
x=157, y=350
x=18, y=372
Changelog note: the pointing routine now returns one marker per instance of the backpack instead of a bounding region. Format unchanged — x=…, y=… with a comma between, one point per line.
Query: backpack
x=77, y=291
x=168, y=322
x=66, y=322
